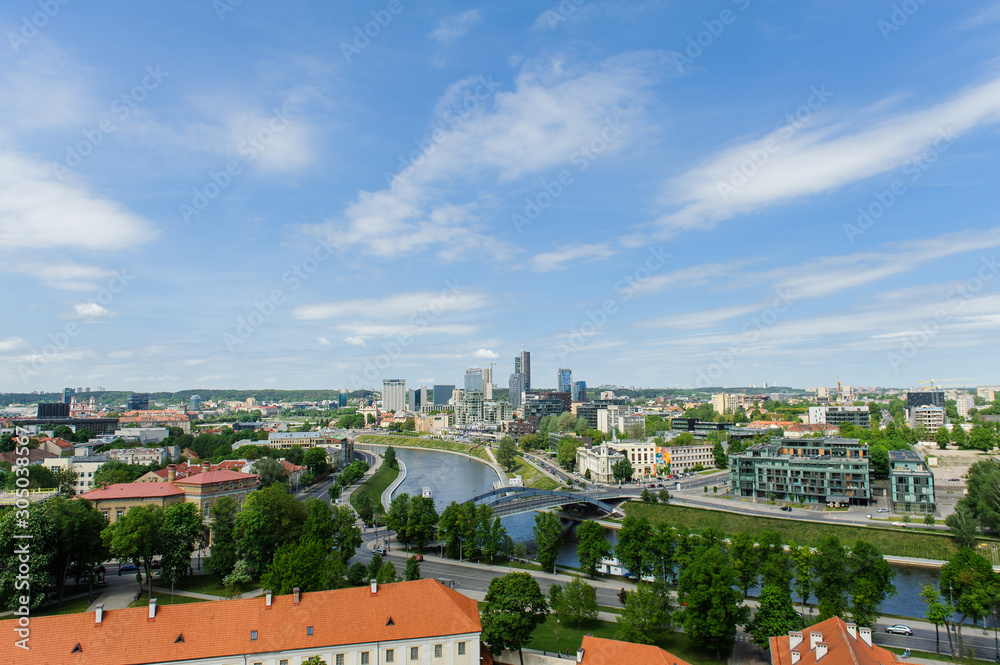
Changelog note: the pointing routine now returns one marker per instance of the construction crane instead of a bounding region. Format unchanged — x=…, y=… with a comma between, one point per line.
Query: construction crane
x=931, y=381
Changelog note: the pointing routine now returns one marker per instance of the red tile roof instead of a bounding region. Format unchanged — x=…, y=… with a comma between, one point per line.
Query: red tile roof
x=34, y=456
x=842, y=649
x=132, y=491
x=62, y=443
x=600, y=651
x=219, y=476
x=221, y=629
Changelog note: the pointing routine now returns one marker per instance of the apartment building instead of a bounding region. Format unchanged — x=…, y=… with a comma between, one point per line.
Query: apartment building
x=911, y=483
x=840, y=414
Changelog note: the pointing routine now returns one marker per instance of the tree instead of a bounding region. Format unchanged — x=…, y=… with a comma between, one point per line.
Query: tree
x=366, y=511
x=224, y=554
x=346, y=534
x=566, y=422
x=622, y=470
x=566, y=453
x=555, y=598
x=802, y=557
x=316, y=461
x=972, y=583
x=871, y=582
x=528, y=442
x=634, y=540
x=387, y=573
x=719, y=453
x=313, y=660
x=548, y=534
x=422, y=521
x=513, y=608
x=492, y=537
x=357, y=574
x=645, y=615
x=269, y=471
x=646, y=495
x=398, y=517
x=389, y=458
x=77, y=526
x=182, y=526
x=981, y=438
x=592, y=547
x=113, y=472
x=270, y=518
x=746, y=560
x=832, y=578
x=959, y=436
x=578, y=602
x=65, y=481
x=374, y=566
x=507, y=454
x=43, y=548
x=938, y=612
x=964, y=525
x=135, y=536
x=412, y=571
x=983, y=498
x=713, y=603
x=775, y=615
x=942, y=437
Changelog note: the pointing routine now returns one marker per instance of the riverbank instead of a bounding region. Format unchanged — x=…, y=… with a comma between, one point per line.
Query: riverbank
x=374, y=486
x=387, y=494
x=477, y=452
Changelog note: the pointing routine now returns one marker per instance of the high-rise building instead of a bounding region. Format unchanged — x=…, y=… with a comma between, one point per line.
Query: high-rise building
x=341, y=400
x=516, y=386
x=393, y=394
x=137, y=402
x=488, y=382
x=442, y=393
x=196, y=402
x=915, y=398
x=68, y=395
x=522, y=365
x=579, y=391
x=564, y=380
x=473, y=380
x=416, y=399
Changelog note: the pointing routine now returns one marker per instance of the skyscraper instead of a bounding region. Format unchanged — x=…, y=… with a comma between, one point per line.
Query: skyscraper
x=516, y=386
x=442, y=393
x=393, y=394
x=522, y=365
x=416, y=399
x=137, y=402
x=564, y=380
x=473, y=380
x=487, y=383
x=579, y=391
x=68, y=395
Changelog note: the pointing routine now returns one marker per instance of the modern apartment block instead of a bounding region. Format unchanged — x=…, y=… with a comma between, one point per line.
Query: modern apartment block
x=393, y=394
x=137, y=402
x=564, y=380
x=828, y=470
x=840, y=414
x=516, y=389
x=522, y=365
x=911, y=483
x=927, y=416
x=474, y=380
x=915, y=398
x=578, y=393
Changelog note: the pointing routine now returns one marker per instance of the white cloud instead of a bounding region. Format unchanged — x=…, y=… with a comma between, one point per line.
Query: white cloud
x=323, y=340
x=11, y=344
x=452, y=27
x=549, y=261
x=553, y=111
x=120, y=354
x=485, y=353
x=811, y=161
x=989, y=15
x=395, y=306
x=355, y=340
x=39, y=212
x=90, y=310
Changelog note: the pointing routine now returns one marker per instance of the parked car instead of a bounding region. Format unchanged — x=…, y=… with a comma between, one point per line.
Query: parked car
x=155, y=565
x=379, y=550
x=883, y=510
x=787, y=508
x=899, y=524
x=127, y=568
x=651, y=485
x=953, y=480
x=418, y=557
x=899, y=629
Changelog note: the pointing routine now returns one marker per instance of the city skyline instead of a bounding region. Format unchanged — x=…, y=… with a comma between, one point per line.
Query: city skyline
x=648, y=194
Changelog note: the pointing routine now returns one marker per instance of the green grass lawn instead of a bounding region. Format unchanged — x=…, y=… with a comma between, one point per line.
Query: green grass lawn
x=930, y=655
x=899, y=541
x=164, y=599
x=68, y=607
x=374, y=486
x=208, y=583
x=415, y=442
x=532, y=477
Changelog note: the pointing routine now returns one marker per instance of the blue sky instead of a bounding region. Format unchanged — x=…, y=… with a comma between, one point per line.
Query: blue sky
x=313, y=195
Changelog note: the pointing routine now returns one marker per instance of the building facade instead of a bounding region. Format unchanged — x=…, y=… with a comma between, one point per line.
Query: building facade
x=911, y=483
x=393, y=394
x=578, y=393
x=598, y=461
x=442, y=394
x=516, y=389
x=564, y=380
x=829, y=470
x=927, y=416
x=839, y=415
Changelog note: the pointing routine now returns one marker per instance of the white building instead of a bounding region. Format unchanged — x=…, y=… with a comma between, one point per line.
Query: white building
x=83, y=467
x=393, y=394
x=144, y=456
x=963, y=403
x=927, y=416
x=142, y=435
x=598, y=461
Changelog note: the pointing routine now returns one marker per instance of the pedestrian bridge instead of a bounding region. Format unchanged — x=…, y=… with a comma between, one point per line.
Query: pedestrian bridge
x=513, y=500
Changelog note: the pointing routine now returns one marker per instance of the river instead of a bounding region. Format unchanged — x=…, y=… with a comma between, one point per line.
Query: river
x=459, y=478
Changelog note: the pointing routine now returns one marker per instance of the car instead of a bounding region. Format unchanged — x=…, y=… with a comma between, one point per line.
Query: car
x=899, y=629
x=899, y=524
x=127, y=568
x=379, y=550
x=418, y=557
x=787, y=508
x=883, y=510
x=954, y=480
x=651, y=486
x=155, y=565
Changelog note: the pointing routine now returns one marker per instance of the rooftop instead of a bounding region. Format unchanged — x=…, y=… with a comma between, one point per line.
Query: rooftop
x=834, y=642
x=600, y=651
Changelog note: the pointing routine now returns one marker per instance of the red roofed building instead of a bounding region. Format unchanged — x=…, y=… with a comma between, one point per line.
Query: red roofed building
x=600, y=651
x=156, y=419
x=55, y=445
x=832, y=642
x=407, y=623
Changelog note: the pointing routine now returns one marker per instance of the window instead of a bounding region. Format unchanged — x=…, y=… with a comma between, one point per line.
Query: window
x=390, y=655
x=364, y=658
x=437, y=650
x=119, y=513
x=283, y=661
x=414, y=653
x=340, y=659
x=461, y=648
x=309, y=630
x=253, y=634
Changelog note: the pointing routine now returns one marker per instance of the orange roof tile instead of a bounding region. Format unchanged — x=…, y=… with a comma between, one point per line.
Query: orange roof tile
x=220, y=629
x=842, y=649
x=218, y=476
x=600, y=651
x=132, y=491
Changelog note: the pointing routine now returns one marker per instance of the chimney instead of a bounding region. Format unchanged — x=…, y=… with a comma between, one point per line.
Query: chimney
x=794, y=638
x=171, y=473
x=374, y=587
x=821, y=650
x=206, y=467
x=852, y=628
x=579, y=655
x=99, y=614
x=297, y=594
x=796, y=656
x=814, y=637
x=267, y=598
x=152, y=608
x=865, y=634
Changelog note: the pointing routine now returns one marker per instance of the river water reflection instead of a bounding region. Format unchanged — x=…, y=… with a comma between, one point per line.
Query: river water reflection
x=458, y=478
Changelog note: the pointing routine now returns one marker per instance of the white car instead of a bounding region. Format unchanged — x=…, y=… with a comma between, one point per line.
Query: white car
x=899, y=629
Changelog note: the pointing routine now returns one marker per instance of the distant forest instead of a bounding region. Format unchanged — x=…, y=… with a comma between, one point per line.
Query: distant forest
x=118, y=397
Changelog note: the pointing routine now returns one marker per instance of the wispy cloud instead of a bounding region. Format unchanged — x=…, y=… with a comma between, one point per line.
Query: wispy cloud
x=451, y=28
x=811, y=161
x=549, y=261
x=395, y=306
